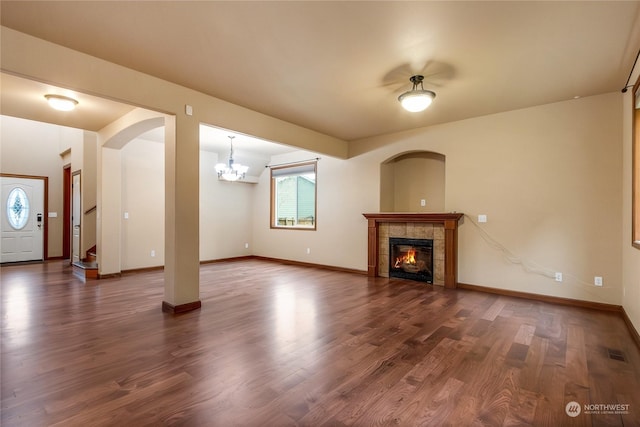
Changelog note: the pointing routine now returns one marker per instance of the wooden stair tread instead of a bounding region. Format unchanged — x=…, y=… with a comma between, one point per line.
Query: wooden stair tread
x=86, y=269
x=86, y=265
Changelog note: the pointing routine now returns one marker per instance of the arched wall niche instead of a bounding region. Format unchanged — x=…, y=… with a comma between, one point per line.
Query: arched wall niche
x=410, y=177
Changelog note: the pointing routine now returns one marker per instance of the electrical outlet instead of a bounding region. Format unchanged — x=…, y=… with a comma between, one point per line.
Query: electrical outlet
x=308, y=251
x=153, y=253
x=597, y=281
x=246, y=246
x=423, y=202
x=558, y=277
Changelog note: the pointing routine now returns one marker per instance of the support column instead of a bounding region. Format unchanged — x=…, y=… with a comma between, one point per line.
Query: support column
x=451, y=253
x=372, y=250
x=182, y=261
x=108, y=227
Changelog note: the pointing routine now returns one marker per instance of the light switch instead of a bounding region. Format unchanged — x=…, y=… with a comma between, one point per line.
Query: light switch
x=482, y=218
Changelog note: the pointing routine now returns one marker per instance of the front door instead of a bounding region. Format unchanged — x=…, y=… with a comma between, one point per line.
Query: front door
x=22, y=224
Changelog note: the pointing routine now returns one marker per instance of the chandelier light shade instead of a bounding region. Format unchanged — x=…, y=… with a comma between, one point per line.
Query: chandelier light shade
x=61, y=103
x=231, y=171
x=416, y=100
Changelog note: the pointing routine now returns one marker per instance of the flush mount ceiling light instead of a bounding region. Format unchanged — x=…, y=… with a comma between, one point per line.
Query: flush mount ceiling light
x=416, y=99
x=231, y=171
x=61, y=103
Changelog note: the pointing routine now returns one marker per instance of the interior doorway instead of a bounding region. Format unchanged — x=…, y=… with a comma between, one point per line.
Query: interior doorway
x=76, y=216
x=66, y=212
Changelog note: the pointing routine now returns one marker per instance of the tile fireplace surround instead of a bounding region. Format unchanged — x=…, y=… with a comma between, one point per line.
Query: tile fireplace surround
x=441, y=227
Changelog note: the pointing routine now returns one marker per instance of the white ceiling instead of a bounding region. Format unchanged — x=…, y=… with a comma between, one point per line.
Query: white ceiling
x=338, y=67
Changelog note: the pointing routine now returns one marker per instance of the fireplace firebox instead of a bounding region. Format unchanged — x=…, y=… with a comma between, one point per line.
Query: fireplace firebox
x=411, y=259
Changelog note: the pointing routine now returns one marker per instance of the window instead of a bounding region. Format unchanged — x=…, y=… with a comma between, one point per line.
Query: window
x=293, y=196
x=17, y=208
x=636, y=166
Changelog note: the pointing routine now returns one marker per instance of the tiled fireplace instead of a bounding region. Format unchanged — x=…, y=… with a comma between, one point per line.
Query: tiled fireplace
x=442, y=228
x=411, y=259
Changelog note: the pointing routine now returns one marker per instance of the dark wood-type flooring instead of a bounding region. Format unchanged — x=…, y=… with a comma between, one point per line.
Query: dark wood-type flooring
x=281, y=345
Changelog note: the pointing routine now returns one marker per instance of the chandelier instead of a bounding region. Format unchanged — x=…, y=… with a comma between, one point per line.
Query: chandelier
x=416, y=99
x=231, y=171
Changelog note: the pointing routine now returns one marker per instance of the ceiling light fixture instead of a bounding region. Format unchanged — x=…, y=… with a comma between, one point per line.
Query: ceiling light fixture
x=416, y=99
x=61, y=103
x=231, y=171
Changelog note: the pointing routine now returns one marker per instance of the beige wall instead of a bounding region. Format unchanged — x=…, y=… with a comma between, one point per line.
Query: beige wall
x=33, y=148
x=226, y=209
x=414, y=177
x=111, y=234
x=345, y=189
x=142, y=164
x=548, y=178
x=224, y=231
x=226, y=213
x=630, y=254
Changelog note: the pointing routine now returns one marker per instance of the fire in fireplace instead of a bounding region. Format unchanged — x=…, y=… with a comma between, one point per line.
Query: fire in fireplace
x=411, y=259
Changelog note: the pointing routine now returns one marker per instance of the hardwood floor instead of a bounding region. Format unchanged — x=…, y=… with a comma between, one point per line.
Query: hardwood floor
x=280, y=345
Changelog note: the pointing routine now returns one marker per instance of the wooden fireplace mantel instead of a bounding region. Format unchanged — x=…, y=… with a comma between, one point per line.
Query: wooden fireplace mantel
x=448, y=220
